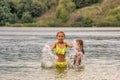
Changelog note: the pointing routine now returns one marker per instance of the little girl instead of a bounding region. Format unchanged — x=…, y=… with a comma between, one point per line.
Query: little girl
x=79, y=52
x=60, y=49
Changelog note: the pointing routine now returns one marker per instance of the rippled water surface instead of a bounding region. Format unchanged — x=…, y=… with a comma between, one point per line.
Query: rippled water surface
x=21, y=48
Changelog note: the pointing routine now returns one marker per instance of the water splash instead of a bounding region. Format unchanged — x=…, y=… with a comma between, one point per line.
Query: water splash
x=48, y=58
x=71, y=56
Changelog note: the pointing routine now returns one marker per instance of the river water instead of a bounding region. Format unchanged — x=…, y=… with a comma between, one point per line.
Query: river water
x=21, y=49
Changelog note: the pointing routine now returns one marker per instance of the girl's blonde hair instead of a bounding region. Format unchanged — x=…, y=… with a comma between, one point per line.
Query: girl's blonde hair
x=60, y=32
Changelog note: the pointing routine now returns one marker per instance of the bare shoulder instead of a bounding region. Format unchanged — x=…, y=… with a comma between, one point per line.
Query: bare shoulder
x=54, y=43
x=68, y=44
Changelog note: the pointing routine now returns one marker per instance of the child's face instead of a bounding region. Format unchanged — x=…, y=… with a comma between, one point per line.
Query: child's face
x=78, y=44
x=60, y=37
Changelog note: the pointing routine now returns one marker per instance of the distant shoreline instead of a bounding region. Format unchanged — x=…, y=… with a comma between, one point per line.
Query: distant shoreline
x=60, y=28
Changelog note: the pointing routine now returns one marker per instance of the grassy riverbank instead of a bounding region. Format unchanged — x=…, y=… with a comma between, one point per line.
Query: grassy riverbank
x=105, y=13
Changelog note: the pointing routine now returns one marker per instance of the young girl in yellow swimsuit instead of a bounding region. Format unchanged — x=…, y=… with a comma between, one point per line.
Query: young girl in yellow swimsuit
x=60, y=49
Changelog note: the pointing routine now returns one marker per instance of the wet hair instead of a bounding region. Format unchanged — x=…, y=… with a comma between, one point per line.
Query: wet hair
x=81, y=44
x=60, y=32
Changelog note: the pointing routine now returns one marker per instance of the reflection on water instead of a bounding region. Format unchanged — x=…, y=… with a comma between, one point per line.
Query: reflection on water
x=60, y=73
x=21, y=48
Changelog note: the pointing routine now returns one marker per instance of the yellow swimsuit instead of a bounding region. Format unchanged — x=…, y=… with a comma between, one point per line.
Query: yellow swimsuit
x=61, y=64
x=61, y=51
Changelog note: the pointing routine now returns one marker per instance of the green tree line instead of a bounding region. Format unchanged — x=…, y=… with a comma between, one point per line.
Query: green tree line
x=22, y=11
x=26, y=11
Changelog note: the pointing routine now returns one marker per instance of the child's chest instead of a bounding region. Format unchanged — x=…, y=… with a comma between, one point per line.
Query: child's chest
x=61, y=45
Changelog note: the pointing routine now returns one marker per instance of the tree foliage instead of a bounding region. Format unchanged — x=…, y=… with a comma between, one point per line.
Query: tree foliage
x=33, y=7
x=65, y=7
x=48, y=4
x=5, y=14
x=83, y=3
x=26, y=17
x=13, y=11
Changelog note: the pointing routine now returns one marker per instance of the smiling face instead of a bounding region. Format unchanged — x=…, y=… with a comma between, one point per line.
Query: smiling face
x=60, y=36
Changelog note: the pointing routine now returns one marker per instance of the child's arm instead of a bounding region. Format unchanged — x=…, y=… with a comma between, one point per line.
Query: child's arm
x=69, y=44
x=53, y=46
